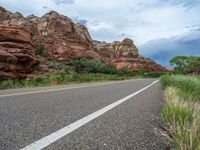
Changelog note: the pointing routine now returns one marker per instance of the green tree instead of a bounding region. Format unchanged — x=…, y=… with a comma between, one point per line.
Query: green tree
x=185, y=64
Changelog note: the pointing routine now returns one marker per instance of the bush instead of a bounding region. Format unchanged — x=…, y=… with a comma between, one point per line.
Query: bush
x=153, y=74
x=38, y=81
x=85, y=65
x=6, y=84
x=141, y=71
x=126, y=72
x=58, y=65
x=40, y=49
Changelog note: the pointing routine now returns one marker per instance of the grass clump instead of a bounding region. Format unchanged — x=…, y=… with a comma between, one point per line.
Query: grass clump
x=188, y=86
x=181, y=112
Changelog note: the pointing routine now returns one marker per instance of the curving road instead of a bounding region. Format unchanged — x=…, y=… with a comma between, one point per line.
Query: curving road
x=111, y=115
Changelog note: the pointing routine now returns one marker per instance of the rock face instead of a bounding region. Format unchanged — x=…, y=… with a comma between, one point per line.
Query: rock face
x=125, y=54
x=16, y=52
x=117, y=49
x=63, y=40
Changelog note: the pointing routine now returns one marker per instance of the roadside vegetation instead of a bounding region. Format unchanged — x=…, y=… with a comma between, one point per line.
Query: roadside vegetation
x=181, y=114
x=58, y=78
x=186, y=64
x=84, y=70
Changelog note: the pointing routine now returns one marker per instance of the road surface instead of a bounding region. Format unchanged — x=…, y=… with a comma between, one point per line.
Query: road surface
x=111, y=115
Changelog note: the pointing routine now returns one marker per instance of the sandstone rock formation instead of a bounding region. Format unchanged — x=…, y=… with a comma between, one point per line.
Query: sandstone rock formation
x=63, y=40
x=125, y=54
x=117, y=49
x=16, y=52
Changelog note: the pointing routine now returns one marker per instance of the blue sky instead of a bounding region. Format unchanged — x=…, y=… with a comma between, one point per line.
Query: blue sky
x=160, y=28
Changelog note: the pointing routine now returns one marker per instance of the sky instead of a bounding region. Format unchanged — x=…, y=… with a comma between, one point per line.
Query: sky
x=160, y=29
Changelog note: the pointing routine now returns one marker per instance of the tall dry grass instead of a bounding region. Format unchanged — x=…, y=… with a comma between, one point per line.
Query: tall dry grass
x=182, y=120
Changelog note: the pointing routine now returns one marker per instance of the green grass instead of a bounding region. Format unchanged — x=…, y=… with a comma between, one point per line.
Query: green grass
x=181, y=114
x=176, y=113
x=188, y=86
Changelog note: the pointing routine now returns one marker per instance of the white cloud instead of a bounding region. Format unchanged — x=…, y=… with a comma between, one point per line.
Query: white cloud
x=113, y=19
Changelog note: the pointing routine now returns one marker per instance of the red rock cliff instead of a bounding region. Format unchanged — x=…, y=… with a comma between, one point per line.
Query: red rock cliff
x=125, y=54
x=63, y=40
x=16, y=52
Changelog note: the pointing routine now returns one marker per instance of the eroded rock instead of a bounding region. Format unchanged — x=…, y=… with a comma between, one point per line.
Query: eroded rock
x=125, y=55
x=16, y=52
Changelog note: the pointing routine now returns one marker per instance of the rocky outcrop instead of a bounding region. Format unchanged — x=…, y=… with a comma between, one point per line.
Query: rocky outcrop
x=63, y=40
x=125, y=54
x=16, y=52
x=117, y=49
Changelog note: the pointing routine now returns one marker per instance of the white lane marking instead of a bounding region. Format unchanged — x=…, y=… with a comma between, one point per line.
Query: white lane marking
x=62, y=89
x=49, y=139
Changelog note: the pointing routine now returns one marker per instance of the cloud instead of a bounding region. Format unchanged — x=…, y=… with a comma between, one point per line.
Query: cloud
x=139, y=19
x=58, y=2
x=185, y=3
x=163, y=49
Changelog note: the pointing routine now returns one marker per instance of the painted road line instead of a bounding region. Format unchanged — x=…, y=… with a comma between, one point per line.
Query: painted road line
x=47, y=140
x=61, y=89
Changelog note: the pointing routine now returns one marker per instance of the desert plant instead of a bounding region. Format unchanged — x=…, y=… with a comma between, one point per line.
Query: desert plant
x=6, y=84
x=153, y=74
x=85, y=65
x=40, y=50
x=126, y=72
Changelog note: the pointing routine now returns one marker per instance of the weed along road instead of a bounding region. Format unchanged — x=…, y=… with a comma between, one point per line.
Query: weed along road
x=108, y=115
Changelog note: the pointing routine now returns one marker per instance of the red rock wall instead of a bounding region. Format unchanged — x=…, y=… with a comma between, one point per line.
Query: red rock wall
x=63, y=40
x=16, y=52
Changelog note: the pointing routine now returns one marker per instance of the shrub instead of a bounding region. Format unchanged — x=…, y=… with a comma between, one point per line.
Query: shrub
x=6, y=84
x=40, y=49
x=85, y=65
x=38, y=81
x=58, y=65
x=153, y=74
x=141, y=71
x=126, y=72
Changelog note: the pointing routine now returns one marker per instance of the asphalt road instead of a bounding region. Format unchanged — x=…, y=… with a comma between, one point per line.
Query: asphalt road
x=114, y=116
